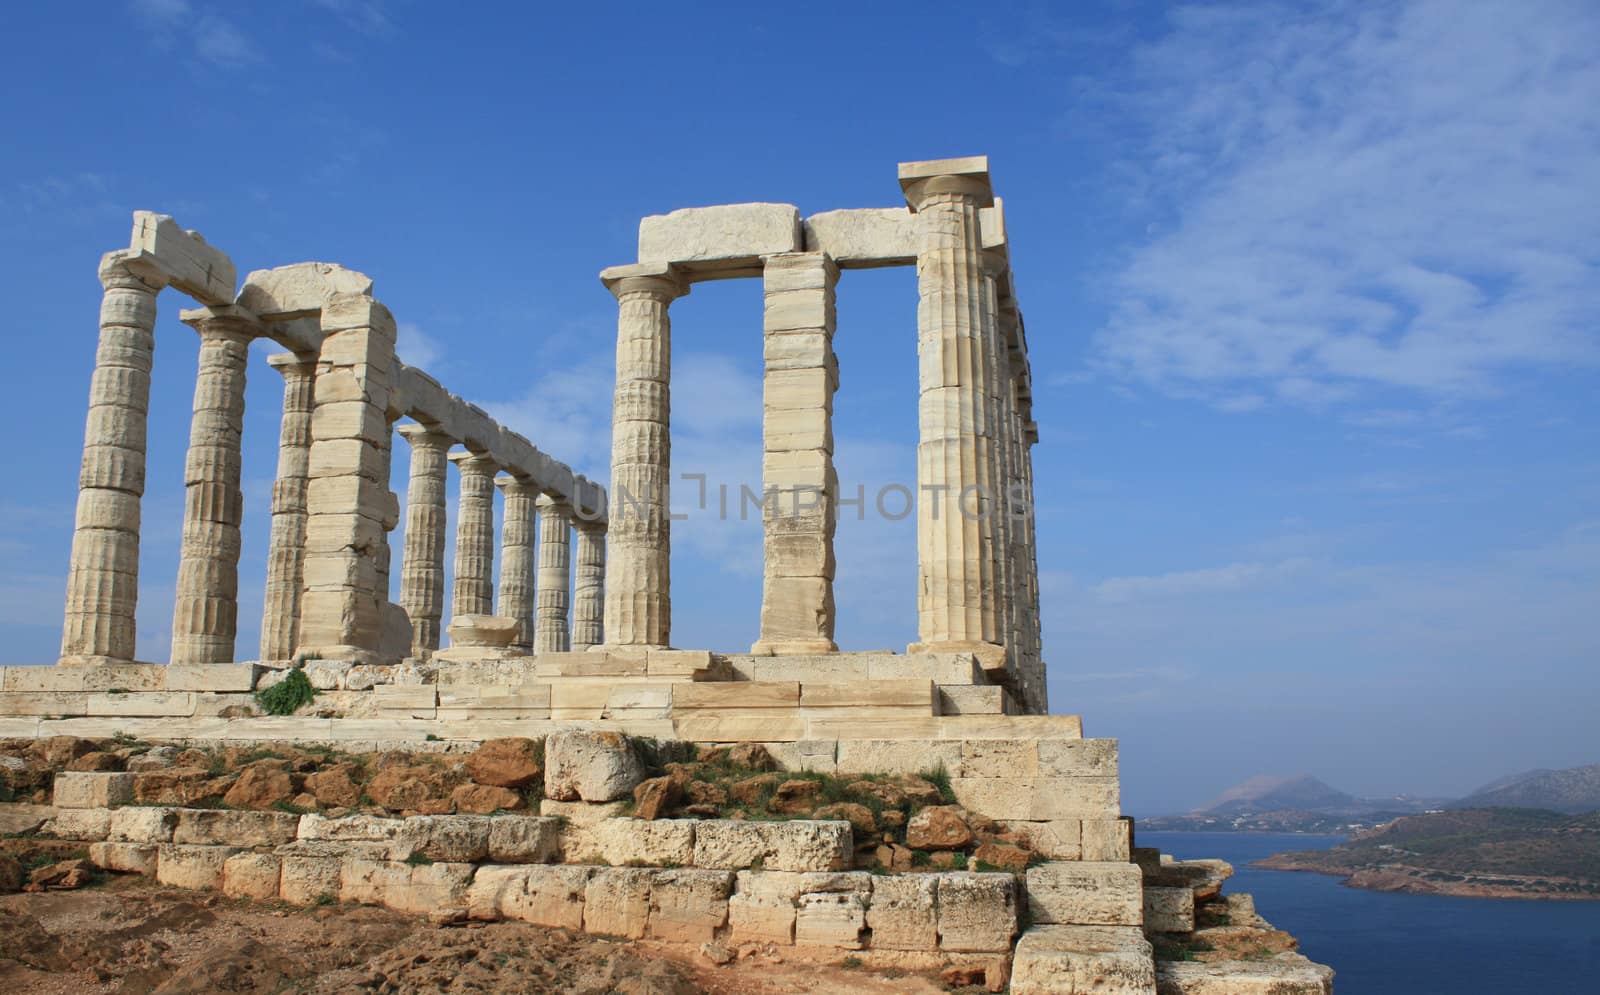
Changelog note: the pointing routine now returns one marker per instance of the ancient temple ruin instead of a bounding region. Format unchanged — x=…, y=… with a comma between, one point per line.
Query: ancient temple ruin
x=567, y=667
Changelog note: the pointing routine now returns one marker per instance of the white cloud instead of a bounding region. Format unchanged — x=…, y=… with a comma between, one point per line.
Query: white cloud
x=417, y=348
x=1210, y=580
x=222, y=44
x=1362, y=198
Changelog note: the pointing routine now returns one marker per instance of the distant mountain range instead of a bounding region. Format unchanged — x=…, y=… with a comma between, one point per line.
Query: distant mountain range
x=1302, y=803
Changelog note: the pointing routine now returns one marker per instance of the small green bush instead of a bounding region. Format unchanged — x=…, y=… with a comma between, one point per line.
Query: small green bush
x=286, y=696
x=419, y=860
x=958, y=861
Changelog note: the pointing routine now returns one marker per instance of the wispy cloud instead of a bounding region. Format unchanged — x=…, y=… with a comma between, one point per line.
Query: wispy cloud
x=217, y=40
x=1361, y=200
x=1209, y=580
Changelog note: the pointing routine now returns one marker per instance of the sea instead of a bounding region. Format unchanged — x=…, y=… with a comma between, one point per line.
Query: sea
x=1394, y=944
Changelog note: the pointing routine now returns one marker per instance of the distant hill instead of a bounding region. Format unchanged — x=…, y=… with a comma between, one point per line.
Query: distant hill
x=1574, y=790
x=1295, y=804
x=1265, y=793
x=1492, y=853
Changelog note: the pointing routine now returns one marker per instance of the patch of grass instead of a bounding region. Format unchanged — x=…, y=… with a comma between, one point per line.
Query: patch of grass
x=326, y=899
x=921, y=858
x=288, y=695
x=284, y=805
x=939, y=777
x=851, y=963
x=958, y=861
x=984, y=867
x=419, y=860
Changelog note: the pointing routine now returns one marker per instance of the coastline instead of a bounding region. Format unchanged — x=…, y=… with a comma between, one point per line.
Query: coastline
x=1410, y=879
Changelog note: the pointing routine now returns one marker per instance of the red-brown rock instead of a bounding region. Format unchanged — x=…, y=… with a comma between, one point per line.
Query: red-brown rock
x=750, y=790
x=505, y=763
x=334, y=786
x=483, y=799
x=62, y=876
x=751, y=756
x=794, y=797
x=97, y=761
x=653, y=798
x=938, y=827
x=261, y=785
x=408, y=788
x=859, y=816
x=1003, y=856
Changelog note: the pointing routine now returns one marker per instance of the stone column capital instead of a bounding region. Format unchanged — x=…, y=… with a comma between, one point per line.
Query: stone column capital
x=548, y=504
x=659, y=281
x=469, y=462
x=967, y=177
x=293, y=365
x=227, y=321
x=517, y=486
x=423, y=437
x=120, y=270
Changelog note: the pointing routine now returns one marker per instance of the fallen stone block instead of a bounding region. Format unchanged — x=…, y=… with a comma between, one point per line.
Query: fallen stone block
x=977, y=912
x=591, y=766
x=1105, y=960
x=86, y=789
x=195, y=867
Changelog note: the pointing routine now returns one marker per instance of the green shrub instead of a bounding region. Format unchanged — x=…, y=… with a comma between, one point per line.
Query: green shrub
x=419, y=860
x=940, y=778
x=958, y=861
x=286, y=696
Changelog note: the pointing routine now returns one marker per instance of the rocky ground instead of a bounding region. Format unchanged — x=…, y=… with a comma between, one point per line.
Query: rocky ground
x=128, y=936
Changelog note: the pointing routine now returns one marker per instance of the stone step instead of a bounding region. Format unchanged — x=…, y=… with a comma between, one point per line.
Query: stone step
x=1285, y=974
x=1077, y=960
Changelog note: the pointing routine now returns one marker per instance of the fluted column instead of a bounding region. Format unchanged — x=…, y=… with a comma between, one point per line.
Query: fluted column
x=422, y=577
x=638, y=569
x=205, y=615
x=280, y=617
x=956, y=605
x=555, y=575
x=588, y=586
x=519, y=556
x=474, y=586
x=103, y=575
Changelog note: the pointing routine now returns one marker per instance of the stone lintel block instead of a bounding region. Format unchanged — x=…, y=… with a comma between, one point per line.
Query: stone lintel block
x=864, y=238
x=298, y=290
x=1086, y=893
x=1107, y=960
x=705, y=240
x=736, y=695
x=872, y=694
x=188, y=263
x=82, y=789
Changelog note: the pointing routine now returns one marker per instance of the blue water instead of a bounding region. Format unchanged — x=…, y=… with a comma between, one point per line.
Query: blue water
x=1390, y=944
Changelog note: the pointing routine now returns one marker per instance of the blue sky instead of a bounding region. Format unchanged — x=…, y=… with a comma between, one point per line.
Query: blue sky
x=1311, y=290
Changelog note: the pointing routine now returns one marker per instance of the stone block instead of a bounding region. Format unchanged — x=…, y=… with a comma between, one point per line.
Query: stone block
x=974, y=699
x=553, y=896
x=1292, y=975
x=617, y=902
x=751, y=726
x=864, y=238
x=183, y=257
x=830, y=919
x=893, y=756
x=977, y=912
x=799, y=845
x=78, y=824
x=142, y=824
x=125, y=858
x=941, y=668
x=636, y=842
x=904, y=912
x=736, y=695
x=374, y=882
x=1058, y=840
x=762, y=907
x=998, y=758
x=688, y=906
x=677, y=663
x=299, y=290
x=1078, y=758
x=1039, y=798
x=915, y=695
x=435, y=886
x=518, y=839
x=196, y=867
x=252, y=875
x=213, y=677
x=728, y=238
x=83, y=789
x=592, y=766
x=150, y=704
x=1105, y=960
x=351, y=827
x=308, y=880
x=45, y=678
x=1086, y=893
x=1168, y=910
x=451, y=838
x=1108, y=839
x=224, y=827
x=490, y=886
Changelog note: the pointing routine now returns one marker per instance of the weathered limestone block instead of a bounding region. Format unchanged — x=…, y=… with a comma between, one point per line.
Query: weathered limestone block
x=761, y=908
x=490, y=886
x=126, y=858
x=451, y=838
x=435, y=886
x=961, y=699
x=222, y=827
x=84, y=789
x=799, y=845
x=252, y=875
x=1107, y=839
x=1086, y=893
x=977, y=912
x=183, y=257
x=904, y=912
x=306, y=880
x=1078, y=757
x=593, y=766
x=1058, y=840
x=218, y=677
x=830, y=919
x=1039, y=799
x=374, y=882
x=517, y=839
x=78, y=824
x=1168, y=910
x=142, y=824
x=194, y=867
x=1105, y=960
x=998, y=758
x=726, y=238
x=633, y=842
x=688, y=906
x=864, y=238
x=553, y=896
x=1278, y=976
x=617, y=902
x=351, y=827
x=898, y=756
x=298, y=290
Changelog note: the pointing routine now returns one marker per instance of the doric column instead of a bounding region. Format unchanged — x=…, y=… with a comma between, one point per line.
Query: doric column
x=956, y=604
x=638, y=569
x=103, y=575
x=555, y=575
x=588, y=586
x=519, y=556
x=422, y=561
x=349, y=504
x=205, y=614
x=798, y=479
x=474, y=586
x=280, y=617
